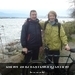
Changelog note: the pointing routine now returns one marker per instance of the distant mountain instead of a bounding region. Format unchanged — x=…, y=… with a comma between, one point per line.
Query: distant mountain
x=23, y=13
x=2, y=14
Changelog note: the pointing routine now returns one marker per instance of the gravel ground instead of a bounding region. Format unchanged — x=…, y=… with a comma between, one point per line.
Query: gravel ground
x=64, y=52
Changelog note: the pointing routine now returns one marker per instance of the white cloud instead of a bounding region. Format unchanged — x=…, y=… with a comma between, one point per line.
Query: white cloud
x=34, y=4
x=42, y=6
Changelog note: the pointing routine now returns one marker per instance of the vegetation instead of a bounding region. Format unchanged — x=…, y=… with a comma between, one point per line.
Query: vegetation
x=69, y=28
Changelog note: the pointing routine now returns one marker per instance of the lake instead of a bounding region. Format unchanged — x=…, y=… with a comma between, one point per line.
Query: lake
x=10, y=29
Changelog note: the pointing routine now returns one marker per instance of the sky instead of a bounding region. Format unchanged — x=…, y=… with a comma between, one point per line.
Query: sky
x=41, y=6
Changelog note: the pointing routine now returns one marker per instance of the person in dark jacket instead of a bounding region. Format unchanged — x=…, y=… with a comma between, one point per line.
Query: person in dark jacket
x=31, y=38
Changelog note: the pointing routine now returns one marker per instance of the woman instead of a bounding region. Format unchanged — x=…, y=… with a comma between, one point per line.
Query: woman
x=51, y=37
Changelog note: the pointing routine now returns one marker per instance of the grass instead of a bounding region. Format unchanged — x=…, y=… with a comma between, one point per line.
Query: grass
x=72, y=40
x=69, y=28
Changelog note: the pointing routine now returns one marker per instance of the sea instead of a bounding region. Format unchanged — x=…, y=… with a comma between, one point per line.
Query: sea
x=10, y=29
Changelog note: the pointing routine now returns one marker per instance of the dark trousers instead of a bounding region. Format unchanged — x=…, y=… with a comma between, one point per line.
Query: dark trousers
x=55, y=59
x=33, y=54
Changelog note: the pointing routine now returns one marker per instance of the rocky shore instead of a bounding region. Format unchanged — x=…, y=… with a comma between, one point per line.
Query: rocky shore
x=14, y=48
x=12, y=54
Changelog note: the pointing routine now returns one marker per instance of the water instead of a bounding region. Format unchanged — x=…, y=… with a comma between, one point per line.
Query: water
x=12, y=28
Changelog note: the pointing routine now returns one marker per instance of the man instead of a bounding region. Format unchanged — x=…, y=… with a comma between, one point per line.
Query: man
x=31, y=39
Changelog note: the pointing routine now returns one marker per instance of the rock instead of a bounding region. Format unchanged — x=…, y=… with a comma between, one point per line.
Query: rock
x=13, y=59
x=5, y=57
x=0, y=50
x=18, y=46
x=1, y=56
x=16, y=58
x=10, y=48
x=13, y=43
x=10, y=53
x=72, y=44
x=13, y=46
x=73, y=36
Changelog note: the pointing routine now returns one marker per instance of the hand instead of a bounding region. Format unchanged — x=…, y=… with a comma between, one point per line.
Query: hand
x=67, y=47
x=25, y=50
x=41, y=49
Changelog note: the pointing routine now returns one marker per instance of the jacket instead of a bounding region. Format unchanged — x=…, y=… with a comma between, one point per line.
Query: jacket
x=51, y=36
x=31, y=34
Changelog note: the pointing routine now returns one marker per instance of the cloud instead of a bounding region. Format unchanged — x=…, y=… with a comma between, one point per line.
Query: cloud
x=34, y=4
x=42, y=6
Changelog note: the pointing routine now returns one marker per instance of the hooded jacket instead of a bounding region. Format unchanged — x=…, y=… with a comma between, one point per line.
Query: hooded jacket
x=51, y=36
x=31, y=34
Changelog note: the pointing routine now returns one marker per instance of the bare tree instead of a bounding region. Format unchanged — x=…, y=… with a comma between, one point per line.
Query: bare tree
x=73, y=8
x=73, y=14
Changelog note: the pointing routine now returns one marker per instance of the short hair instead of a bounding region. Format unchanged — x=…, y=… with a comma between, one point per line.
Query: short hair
x=52, y=12
x=32, y=11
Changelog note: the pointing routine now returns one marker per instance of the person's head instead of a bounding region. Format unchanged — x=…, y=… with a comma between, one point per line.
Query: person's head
x=52, y=15
x=33, y=14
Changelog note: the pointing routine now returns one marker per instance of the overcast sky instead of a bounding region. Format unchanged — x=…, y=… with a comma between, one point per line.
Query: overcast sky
x=42, y=6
